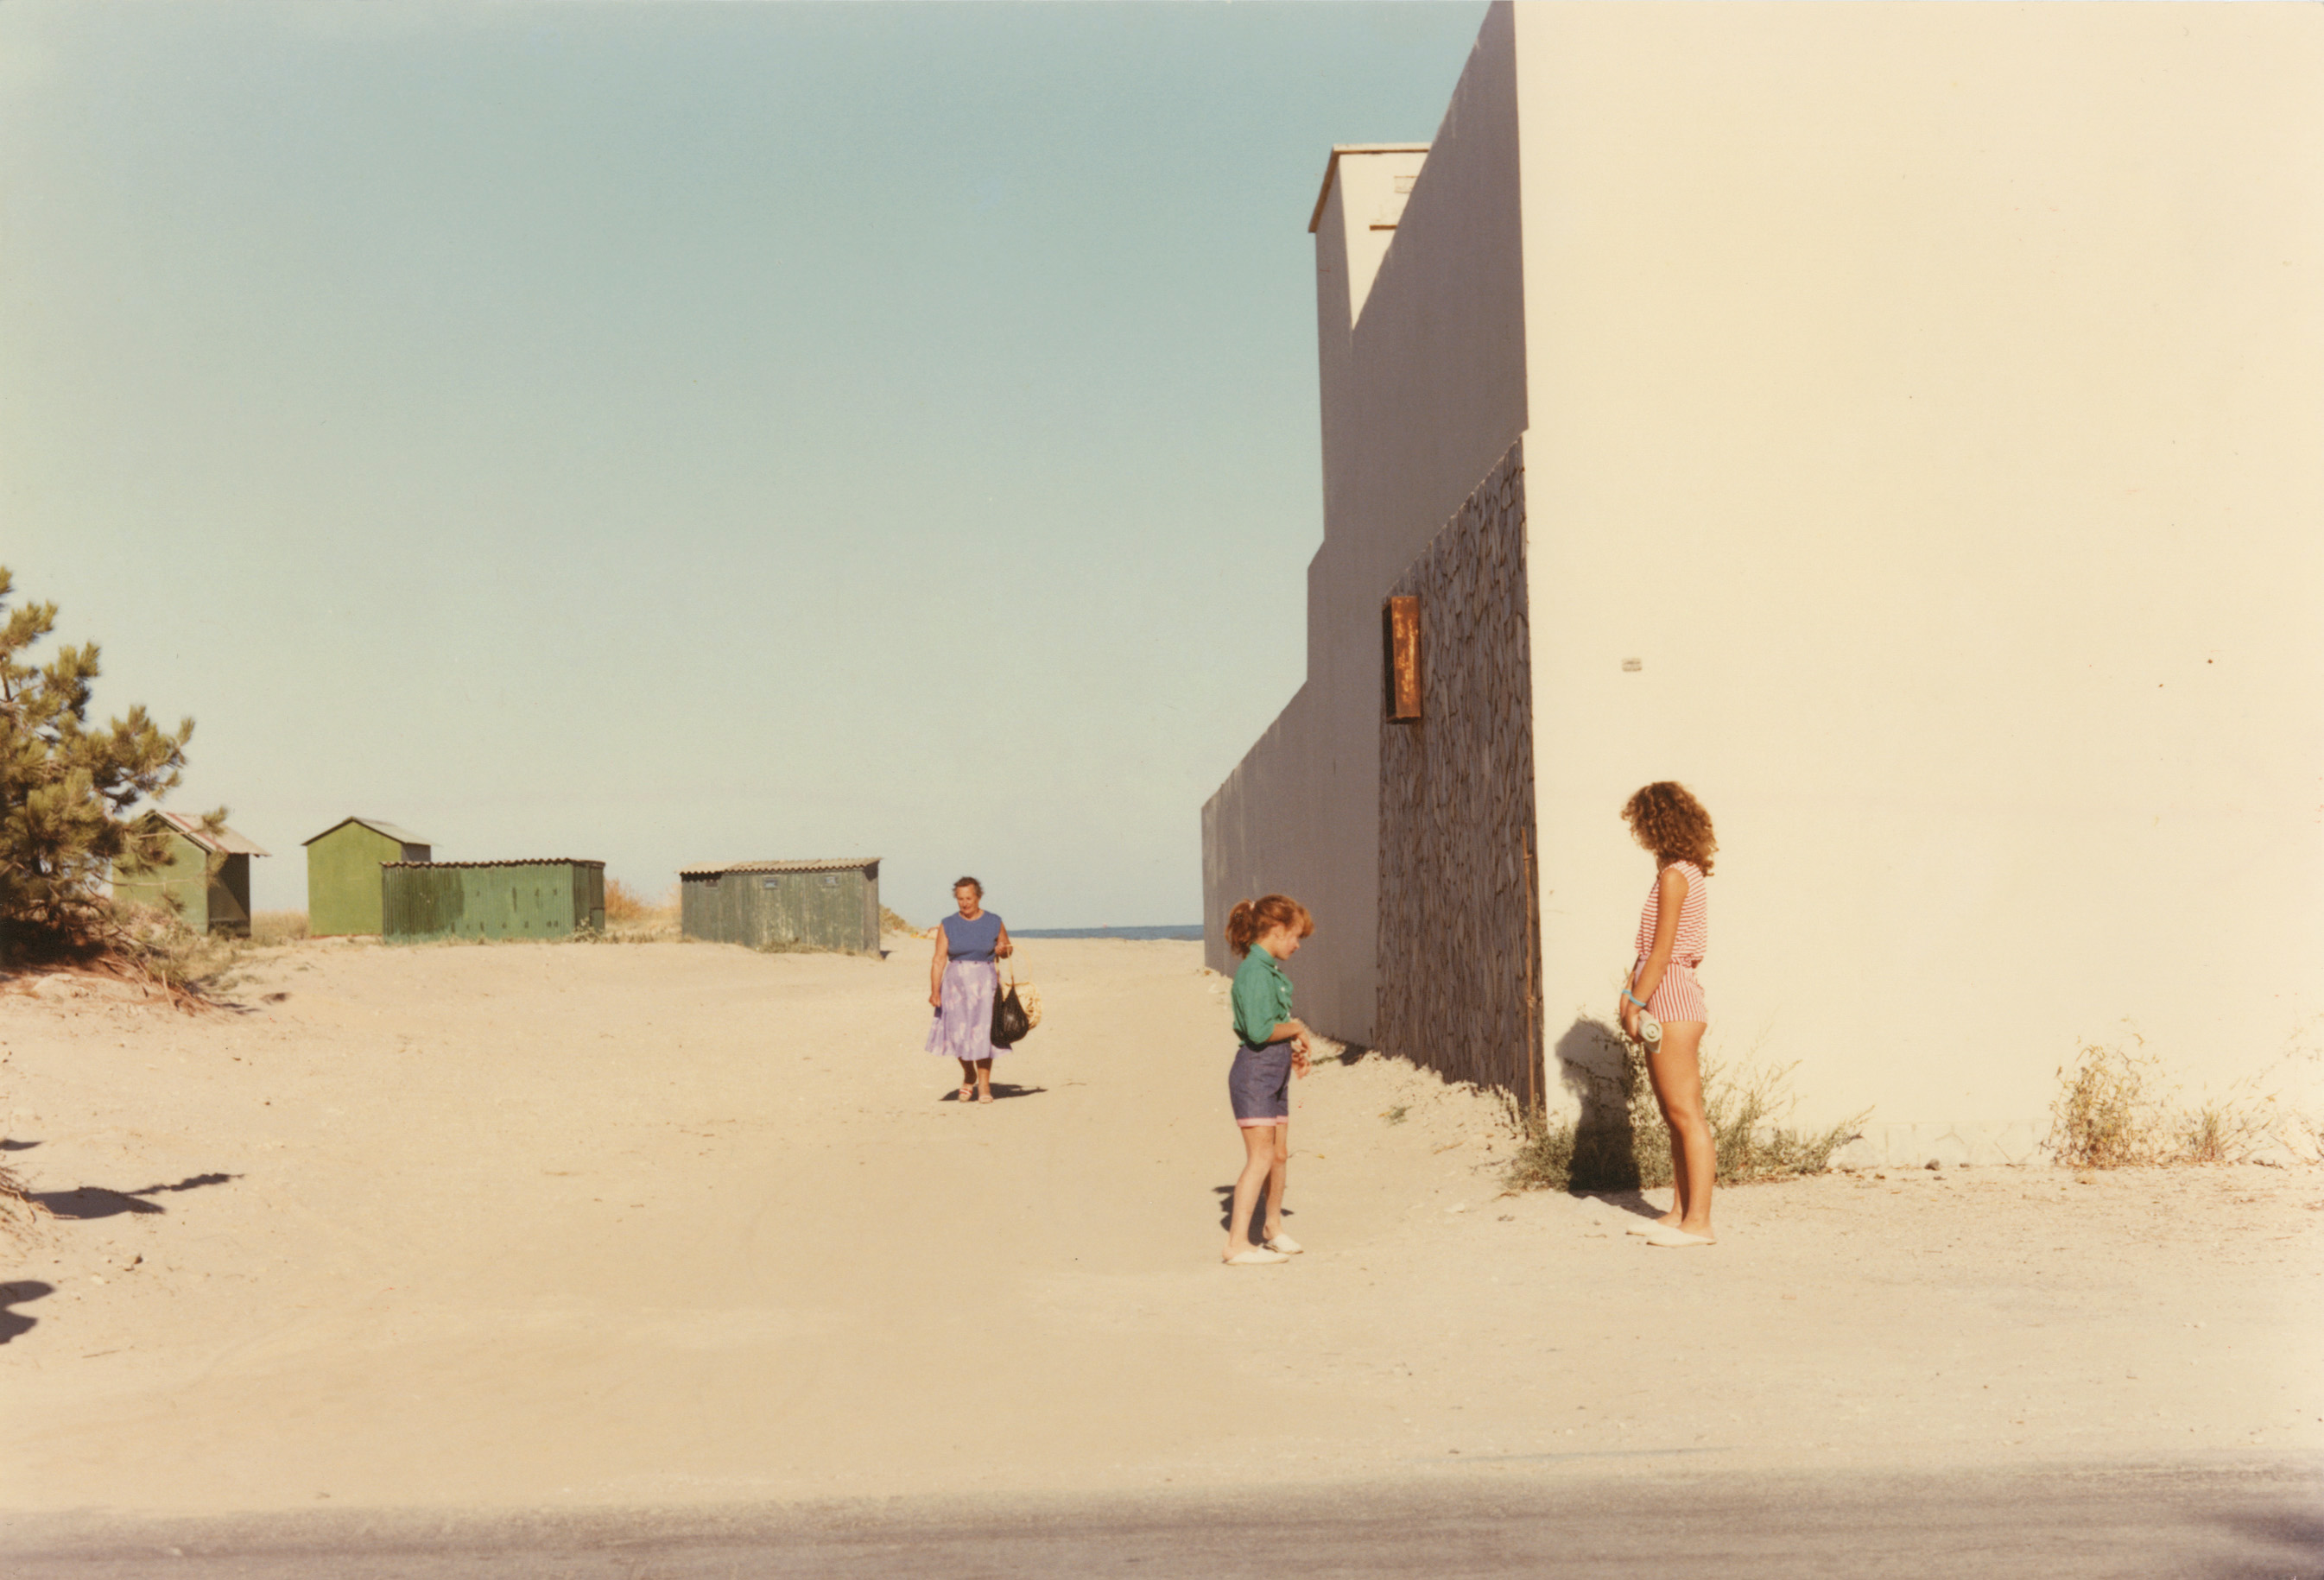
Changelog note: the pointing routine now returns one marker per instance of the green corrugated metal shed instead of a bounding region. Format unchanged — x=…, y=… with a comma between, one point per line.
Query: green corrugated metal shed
x=205, y=901
x=342, y=863
x=808, y=905
x=547, y=898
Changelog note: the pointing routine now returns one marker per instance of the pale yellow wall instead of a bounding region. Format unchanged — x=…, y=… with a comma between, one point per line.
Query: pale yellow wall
x=1930, y=396
x=1422, y=393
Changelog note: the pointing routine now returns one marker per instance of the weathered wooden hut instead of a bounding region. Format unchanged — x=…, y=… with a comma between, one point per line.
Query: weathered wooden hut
x=552, y=897
x=343, y=882
x=206, y=900
x=804, y=904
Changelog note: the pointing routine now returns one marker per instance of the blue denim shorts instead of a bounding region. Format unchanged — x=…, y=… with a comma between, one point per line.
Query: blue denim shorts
x=1258, y=1085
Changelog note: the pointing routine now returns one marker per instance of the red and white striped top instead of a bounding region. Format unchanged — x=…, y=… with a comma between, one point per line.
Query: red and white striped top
x=1693, y=917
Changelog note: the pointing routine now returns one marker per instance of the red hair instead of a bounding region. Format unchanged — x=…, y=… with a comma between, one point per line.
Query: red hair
x=1666, y=819
x=1252, y=919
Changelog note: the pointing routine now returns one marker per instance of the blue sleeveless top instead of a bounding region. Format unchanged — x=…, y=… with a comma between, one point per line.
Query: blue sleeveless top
x=971, y=941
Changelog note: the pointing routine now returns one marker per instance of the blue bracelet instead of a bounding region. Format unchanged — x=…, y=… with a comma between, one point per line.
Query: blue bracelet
x=1634, y=998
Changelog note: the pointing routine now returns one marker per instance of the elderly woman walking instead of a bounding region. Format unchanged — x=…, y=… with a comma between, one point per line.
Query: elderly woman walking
x=961, y=983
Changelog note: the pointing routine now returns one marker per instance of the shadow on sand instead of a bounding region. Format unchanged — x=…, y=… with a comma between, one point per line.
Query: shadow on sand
x=1003, y=1091
x=1225, y=1193
x=94, y=1201
x=12, y=1322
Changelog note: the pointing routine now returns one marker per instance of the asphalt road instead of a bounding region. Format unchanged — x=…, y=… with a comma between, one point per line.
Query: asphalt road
x=2217, y=1521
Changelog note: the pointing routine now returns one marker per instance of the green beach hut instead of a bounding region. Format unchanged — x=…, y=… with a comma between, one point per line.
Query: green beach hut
x=205, y=900
x=831, y=904
x=343, y=881
x=553, y=897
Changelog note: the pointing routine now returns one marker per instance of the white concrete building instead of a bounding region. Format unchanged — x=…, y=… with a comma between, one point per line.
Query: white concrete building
x=1904, y=426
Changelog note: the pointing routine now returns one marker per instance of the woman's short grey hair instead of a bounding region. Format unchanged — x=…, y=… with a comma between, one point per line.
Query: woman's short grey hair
x=960, y=883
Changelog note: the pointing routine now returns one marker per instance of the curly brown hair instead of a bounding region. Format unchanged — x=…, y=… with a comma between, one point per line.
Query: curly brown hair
x=1666, y=819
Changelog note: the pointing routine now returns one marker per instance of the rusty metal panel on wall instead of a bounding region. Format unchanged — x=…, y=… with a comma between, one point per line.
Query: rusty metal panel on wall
x=1400, y=665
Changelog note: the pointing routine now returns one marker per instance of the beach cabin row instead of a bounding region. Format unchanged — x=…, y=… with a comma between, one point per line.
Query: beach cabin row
x=368, y=876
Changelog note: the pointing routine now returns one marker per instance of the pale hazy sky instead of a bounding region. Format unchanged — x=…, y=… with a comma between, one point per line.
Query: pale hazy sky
x=671, y=434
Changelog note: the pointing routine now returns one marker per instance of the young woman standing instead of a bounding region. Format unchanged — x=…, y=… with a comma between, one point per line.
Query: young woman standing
x=961, y=981
x=1673, y=933
x=1265, y=932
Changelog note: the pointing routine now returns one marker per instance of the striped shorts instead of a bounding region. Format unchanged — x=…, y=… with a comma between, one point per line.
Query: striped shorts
x=1678, y=997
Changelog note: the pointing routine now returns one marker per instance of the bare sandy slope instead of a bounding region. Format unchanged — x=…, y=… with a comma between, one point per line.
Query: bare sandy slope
x=516, y=1225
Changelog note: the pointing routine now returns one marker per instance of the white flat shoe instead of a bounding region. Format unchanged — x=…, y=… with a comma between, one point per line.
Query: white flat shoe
x=1668, y=1238
x=1287, y=1245
x=1647, y=1228
x=1256, y=1257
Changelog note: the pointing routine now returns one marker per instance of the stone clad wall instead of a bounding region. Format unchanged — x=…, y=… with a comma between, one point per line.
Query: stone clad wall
x=1459, y=975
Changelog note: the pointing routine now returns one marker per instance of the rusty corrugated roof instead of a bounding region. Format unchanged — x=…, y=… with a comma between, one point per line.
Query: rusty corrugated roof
x=512, y=861
x=224, y=842
x=833, y=864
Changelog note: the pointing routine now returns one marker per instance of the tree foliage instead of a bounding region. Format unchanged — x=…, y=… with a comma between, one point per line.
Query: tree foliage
x=67, y=789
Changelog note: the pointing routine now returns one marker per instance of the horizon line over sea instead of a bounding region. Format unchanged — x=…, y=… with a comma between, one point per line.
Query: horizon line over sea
x=1192, y=930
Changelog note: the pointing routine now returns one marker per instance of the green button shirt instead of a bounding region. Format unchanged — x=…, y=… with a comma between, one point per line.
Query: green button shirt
x=1262, y=996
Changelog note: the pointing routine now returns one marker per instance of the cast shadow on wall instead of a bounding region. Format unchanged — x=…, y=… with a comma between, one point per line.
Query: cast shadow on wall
x=1594, y=1065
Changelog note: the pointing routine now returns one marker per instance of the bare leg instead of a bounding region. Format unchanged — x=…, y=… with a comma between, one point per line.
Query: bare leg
x=1278, y=1170
x=1258, y=1165
x=984, y=1080
x=967, y=1081
x=1676, y=1069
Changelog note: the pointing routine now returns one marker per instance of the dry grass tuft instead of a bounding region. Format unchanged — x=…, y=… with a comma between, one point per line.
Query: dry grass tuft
x=271, y=929
x=160, y=946
x=891, y=923
x=631, y=919
x=624, y=903
x=2117, y=1108
x=20, y=1215
x=1620, y=1142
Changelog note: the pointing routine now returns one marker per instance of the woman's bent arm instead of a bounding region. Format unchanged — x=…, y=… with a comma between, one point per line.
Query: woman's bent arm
x=935, y=969
x=1004, y=949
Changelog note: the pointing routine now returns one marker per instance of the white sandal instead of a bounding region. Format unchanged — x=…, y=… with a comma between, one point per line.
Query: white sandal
x=1257, y=1257
x=1668, y=1238
x=1287, y=1245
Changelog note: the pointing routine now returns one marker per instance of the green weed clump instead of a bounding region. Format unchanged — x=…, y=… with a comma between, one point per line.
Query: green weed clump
x=1620, y=1142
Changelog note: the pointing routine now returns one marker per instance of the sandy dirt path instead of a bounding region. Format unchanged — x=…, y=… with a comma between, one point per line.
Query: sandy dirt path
x=593, y=1226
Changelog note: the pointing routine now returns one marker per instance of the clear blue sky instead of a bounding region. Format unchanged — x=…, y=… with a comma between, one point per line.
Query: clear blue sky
x=674, y=434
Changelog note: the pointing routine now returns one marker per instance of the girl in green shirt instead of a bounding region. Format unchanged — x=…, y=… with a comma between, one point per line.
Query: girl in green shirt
x=1265, y=932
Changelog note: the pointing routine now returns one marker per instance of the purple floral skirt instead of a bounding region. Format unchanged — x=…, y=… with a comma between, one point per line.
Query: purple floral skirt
x=962, y=1028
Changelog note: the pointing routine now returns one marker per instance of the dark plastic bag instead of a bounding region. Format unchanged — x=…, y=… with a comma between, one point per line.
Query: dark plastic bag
x=1010, y=1021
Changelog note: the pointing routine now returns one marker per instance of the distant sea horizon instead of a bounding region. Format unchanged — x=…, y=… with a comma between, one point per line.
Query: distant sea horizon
x=1192, y=930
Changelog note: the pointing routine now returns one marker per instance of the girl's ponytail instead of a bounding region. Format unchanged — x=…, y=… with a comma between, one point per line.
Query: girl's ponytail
x=1251, y=919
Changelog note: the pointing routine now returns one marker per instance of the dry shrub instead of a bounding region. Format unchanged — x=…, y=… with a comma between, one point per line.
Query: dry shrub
x=19, y=1213
x=624, y=903
x=891, y=923
x=157, y=944
x=2117, y=1108
x=1620, y=1142
x=630, y=918
x=269, y=929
